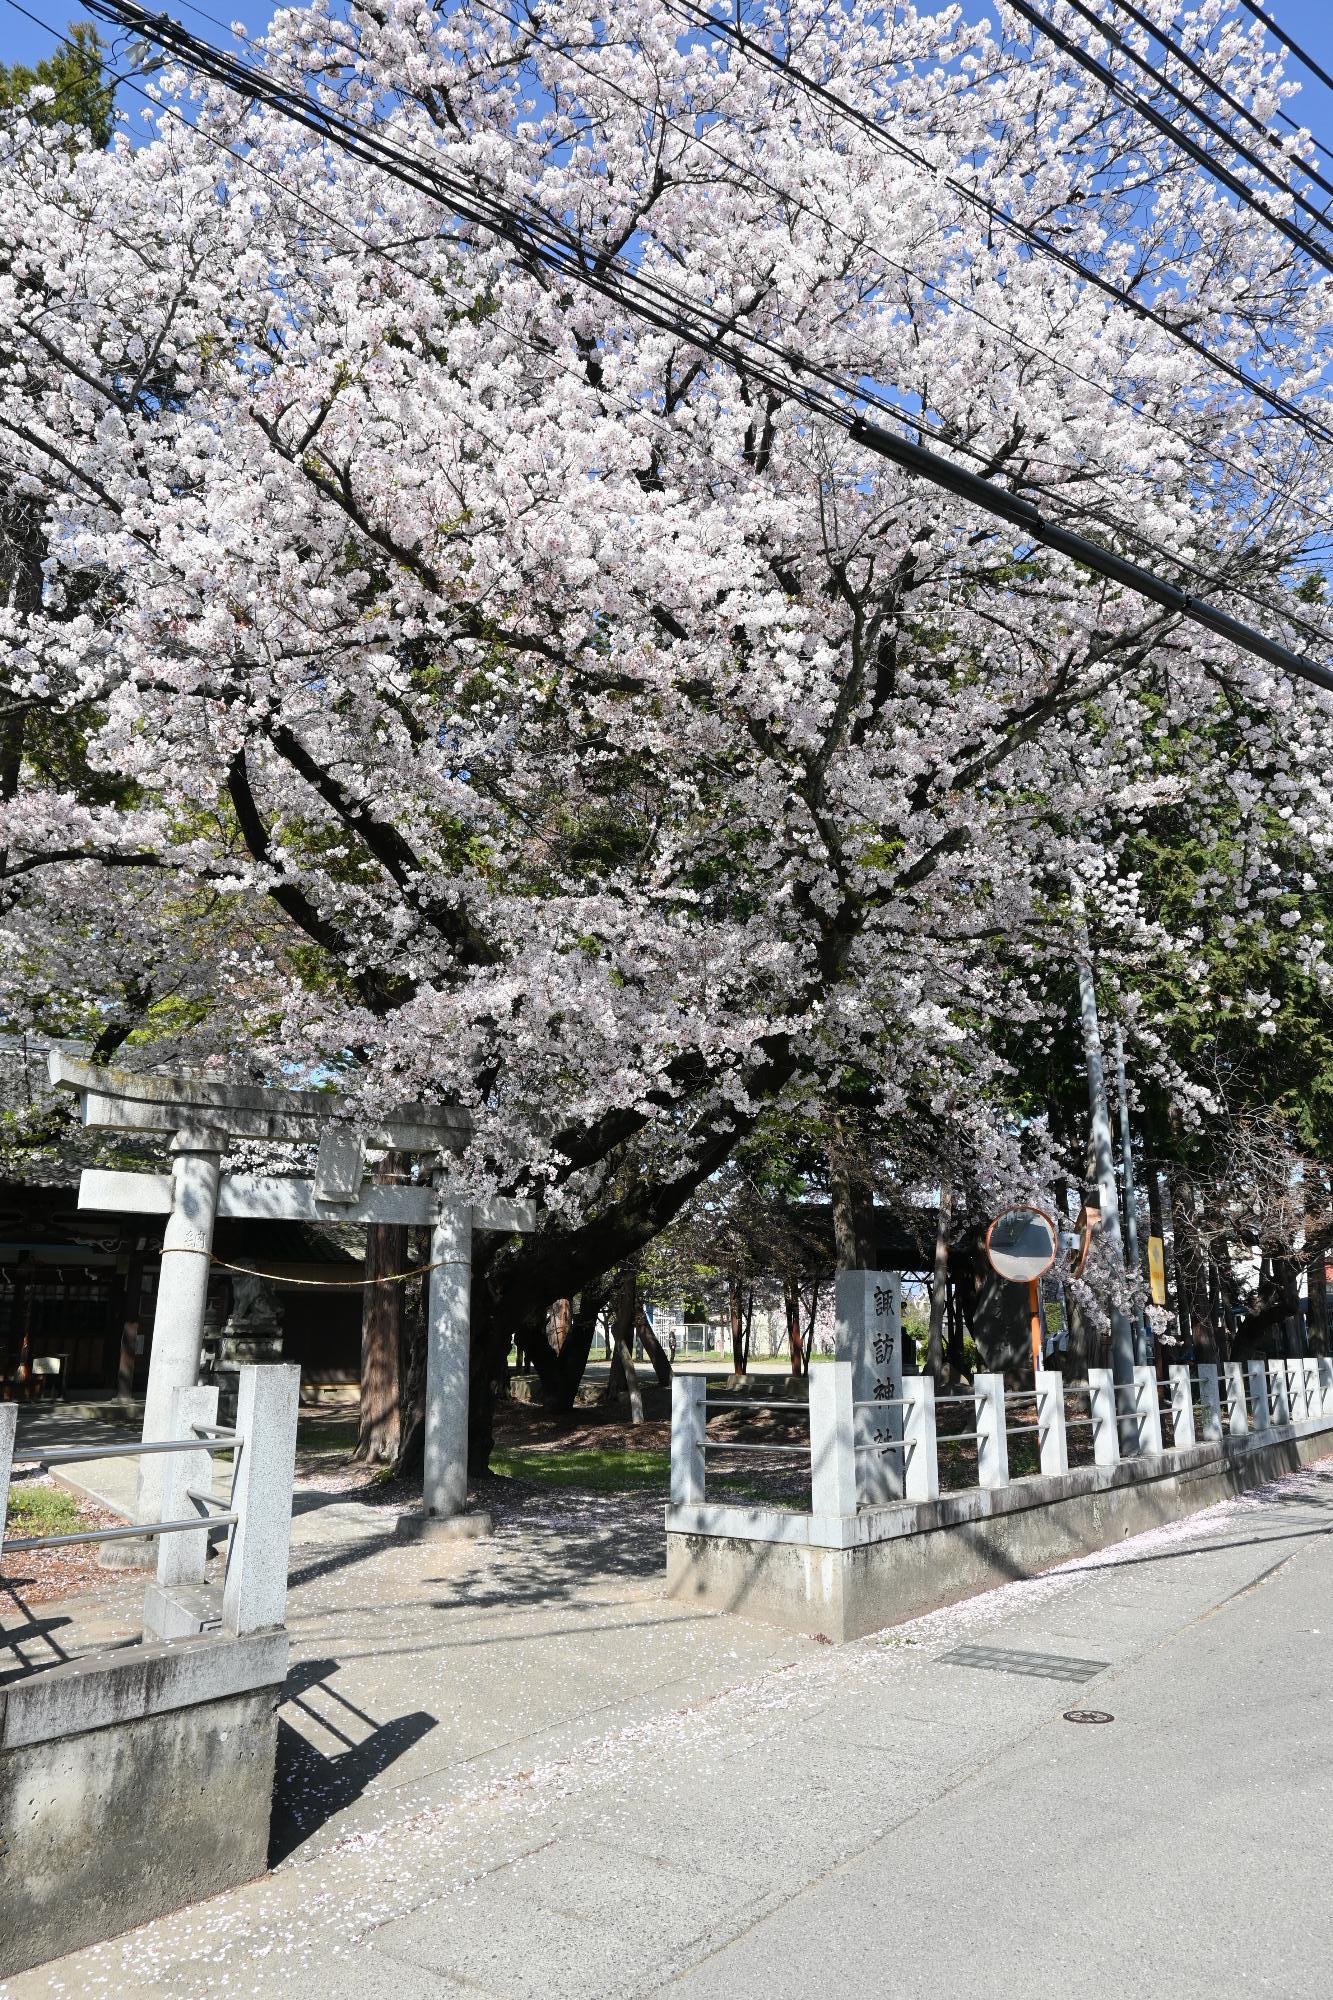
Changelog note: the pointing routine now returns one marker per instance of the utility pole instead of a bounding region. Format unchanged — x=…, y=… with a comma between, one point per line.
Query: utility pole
x=1122, y=1333
x=1131, y=1206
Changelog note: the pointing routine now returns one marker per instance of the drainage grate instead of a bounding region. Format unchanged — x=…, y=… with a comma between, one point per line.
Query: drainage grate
x=1039, y=1666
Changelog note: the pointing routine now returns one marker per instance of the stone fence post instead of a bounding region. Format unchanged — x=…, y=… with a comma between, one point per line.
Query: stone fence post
x=1210, y=1401
x=992, y=1431
x=1148, y=1409
x=181, y=1558
x=689, y=1413
x=1324, y=1370
x=1238, y=1420
x=833, y=1481
x=1279, y=1400
x=254, y=1593
x=1052, y=1438
x=1256, y=1376
x=9, y=1417
x=1182, y=1406
x=1101, y=1408
x=921, y=1475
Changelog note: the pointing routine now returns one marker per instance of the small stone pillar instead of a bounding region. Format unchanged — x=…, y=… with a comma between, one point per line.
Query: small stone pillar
x=254, y=1592
x=1295, y=1377
x=1279, y=1400
x=1324, y=1370
x=992, y=1431
x=1101, y=1408
x=1238, y=1419
x=921, y=1474
x=689, y=1412
x=1210, y=1402
x=1148, y=1410
x=1256, y=1376
x=833, y=1475
x=174, y=1605
x=9, y=1417
x=868, y=1337
x=1052, y=1438
x=1182, y=1406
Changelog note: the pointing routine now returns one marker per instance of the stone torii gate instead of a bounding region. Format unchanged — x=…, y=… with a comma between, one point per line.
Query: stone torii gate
x=199, y=1118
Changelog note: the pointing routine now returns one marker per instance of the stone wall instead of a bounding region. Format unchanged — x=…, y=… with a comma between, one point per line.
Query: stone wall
x=132, y=1783
x=843, y=1577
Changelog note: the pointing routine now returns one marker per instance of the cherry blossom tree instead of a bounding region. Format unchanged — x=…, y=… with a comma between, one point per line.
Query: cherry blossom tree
x=484, y=691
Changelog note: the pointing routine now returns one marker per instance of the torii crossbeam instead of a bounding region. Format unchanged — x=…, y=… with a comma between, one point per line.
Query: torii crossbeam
x=200, y=1118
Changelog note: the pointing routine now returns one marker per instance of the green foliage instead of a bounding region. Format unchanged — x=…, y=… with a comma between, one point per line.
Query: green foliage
x=84, y=100
x=589, y=1471
x=41, y=1510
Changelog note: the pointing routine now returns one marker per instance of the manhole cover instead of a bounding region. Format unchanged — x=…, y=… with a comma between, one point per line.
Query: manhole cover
x=1087, y=1715
x=1009, y=1660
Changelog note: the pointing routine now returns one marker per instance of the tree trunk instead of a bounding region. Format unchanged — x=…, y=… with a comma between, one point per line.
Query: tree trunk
x=653, y=1347
x=807, y=1345
x=379, y=1425
x=1316, y=1288
x=791, y=1301
x=412, y=1362
x=739, y=1355
x=957, y=1352
x=939, y=1287
x=853, y=1210
x=622, y=1338
x=558, y=1322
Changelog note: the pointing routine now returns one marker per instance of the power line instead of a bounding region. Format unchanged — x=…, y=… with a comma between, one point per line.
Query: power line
x=1002, y=502
x=1043, y=245
x=1219, y=89
x=554, y=254
x=933, y=285
x=1135, y=101
x=1287, y=43
x=1198, y=110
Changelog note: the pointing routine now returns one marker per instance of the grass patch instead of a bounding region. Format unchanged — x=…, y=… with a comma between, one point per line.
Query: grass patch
x=41, y=1510
x=590, y=1471
x=587, y=1471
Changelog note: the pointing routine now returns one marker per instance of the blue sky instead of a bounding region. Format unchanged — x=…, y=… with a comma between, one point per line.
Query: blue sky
x=1309, y=22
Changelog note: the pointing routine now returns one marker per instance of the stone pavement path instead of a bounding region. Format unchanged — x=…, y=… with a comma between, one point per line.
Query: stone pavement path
x=510, y=1768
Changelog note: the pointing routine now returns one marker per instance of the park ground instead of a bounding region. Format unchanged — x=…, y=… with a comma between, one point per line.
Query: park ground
x=511, y=1767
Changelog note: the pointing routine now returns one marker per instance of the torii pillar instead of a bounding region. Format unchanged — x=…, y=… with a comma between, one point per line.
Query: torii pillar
x=200, y=1117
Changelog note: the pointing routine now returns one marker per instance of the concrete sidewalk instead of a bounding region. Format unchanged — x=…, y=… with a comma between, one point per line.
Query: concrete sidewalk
x=511, y=1768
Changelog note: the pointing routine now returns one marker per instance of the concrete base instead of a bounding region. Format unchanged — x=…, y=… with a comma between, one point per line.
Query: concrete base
x=128, y=1554
x=182, y=1611
x=843, y=1578
x=130, y=1784
x=444, y=1527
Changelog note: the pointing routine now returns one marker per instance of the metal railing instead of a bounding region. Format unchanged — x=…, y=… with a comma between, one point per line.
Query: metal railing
x=254, y=1516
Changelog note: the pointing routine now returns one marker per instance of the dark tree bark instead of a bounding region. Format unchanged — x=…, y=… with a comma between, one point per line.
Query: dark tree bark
x=379, y=1426
x=740, y=1342
x=957, y=1352
x=853, y=1210
x=625, y=1310
x=653, y=1347
x=1316, y=1287
x=939, y=1285
x=791, y=1299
